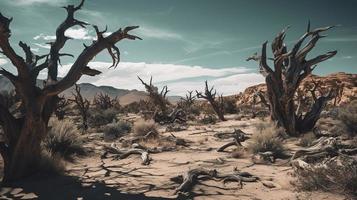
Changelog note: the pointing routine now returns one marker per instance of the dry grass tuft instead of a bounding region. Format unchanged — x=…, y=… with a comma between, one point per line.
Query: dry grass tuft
x=348, y=116
x=141, y=127
x=114, y=130
x=63, y=139
x=268, y=139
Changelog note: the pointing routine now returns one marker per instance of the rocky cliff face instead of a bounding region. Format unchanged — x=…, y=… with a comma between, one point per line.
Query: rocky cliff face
x=349, y=82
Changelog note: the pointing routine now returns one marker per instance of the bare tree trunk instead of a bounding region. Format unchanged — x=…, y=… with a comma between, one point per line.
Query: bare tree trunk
x=290, y=68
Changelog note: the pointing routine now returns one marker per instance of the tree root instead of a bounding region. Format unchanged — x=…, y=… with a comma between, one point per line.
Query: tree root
x=222, y=148
x=191, y=177
x=238, y=137
x=122, y=154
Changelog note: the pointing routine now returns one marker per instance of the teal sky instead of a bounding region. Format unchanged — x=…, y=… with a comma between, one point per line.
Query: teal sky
x=212, y=34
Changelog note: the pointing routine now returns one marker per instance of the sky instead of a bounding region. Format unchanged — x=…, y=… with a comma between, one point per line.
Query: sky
x=187, y=41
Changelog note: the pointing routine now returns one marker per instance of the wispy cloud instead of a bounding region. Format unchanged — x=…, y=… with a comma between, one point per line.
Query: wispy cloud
x=158, y=33
x=45, y=46
x=44, y=37
x=228, y=80
x=216, y=53
x=347, y=57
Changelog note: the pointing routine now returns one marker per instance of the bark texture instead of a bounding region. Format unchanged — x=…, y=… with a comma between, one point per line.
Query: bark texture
x=290, y=68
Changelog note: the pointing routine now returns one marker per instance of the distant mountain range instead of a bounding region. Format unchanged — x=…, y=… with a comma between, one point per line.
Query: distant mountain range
x=89, y=91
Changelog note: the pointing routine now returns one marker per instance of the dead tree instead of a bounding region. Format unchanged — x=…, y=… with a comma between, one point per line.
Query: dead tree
x=188, y=101
x=158, y=98
x=104, y=101
x=61, y=107
x=162, y=113
x=216, y=102
x=82, y=105
x=21, y=150
x=290, y=68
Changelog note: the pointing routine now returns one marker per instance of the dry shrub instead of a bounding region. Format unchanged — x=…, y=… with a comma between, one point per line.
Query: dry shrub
x=208, y=119
x=99, y=117
x=333, y=176
x=307, y=139
x=141, y=127
x=348, y=116
x=115, y=130
x=268, y=139
x=63, y=139
x=153, y=143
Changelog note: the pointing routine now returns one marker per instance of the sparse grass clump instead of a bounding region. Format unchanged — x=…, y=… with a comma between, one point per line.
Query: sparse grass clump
x=307, y=139
x=268, y=139
x=99, y=117
x=348, y=116
x=63, y=139
x=115, y=130
x=141, y=127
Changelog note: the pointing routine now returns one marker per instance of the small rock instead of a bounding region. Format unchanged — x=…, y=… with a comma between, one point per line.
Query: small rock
x=268, y=184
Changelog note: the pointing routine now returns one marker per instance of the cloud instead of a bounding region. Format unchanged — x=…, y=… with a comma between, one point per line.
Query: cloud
x=179, y=78
x=347, y=57
x=3, y=61
x=216, y=53
x=31, y=2
x=75, y=33
x=45, y=46
x=44, y=37
x=79, y=34
x=158, y=33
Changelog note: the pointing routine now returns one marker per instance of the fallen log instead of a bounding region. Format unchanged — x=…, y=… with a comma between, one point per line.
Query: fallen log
x=191, y=177
x=122, y=154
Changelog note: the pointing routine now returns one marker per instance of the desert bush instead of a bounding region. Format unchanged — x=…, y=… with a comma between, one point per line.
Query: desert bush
x=63, y=139
x=348, y=116
x=268, y=139
x=142, y=127
x=229, y=105
x=307, y=139
x=336, y=176
x=208, y=119
x=99, y=117
x=115, y=130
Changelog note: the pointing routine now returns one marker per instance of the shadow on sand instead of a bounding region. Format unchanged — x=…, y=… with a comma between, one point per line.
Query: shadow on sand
x=65, y=187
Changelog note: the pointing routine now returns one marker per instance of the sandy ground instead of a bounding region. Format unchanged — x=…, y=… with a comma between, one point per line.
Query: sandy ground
x=96, y=178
